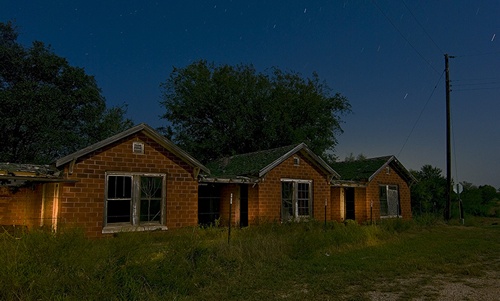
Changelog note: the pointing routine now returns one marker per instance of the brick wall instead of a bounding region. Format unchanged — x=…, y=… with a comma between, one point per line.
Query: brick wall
x=361, y=205
x=225, y=201
x=21, y=207
x=269, y=190
x=253, y=204
x=388, y=178
x=337, y=208
x=82, y=203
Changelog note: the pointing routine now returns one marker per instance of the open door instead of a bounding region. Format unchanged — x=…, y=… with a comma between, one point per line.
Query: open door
x=349, y=203
x=243, y=205
x=208, y=204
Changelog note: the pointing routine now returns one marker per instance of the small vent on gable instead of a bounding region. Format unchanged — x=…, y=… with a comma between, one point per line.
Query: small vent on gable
x=296, y=161
x=138, y=148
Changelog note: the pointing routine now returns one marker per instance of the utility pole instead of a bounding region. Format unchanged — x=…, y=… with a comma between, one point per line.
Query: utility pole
x=447, y=209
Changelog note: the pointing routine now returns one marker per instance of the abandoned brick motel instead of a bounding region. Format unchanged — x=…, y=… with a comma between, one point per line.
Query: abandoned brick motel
x=138, y=180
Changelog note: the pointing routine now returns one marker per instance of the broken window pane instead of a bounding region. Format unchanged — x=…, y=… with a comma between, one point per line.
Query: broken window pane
x=119, y=197
x=389, y=200
x=287, y=201
x=151, y=196
x=118, y=211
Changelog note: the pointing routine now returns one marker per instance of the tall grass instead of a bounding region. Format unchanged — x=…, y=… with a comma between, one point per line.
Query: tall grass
x=274, y=261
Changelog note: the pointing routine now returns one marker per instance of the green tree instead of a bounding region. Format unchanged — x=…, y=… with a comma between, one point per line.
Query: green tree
x=215, y=111
x=428, y=194
x=480, y=201
x=352, y=158
x=47, y=107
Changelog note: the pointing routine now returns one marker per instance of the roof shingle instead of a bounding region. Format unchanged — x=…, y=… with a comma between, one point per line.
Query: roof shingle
x=248, y=165
x=360, y=170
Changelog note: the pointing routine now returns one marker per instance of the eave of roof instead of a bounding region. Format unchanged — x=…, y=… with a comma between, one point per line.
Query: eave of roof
x=396, y=165
x=346, y=183
x=301, y=147
x=150, y=132
x=28, y=170
x=30, y=173
x=36, y=179
x=229, y=179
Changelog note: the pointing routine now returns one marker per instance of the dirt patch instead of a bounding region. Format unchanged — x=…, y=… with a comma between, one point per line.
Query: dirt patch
x=441, y=287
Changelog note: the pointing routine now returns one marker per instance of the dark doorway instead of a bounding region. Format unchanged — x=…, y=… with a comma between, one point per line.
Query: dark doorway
x=208, y=204
x=349, y=203
x=243, y=205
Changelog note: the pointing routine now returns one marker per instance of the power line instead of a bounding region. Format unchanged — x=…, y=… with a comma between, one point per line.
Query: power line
x=475, y=79
x=420, y=115
x=478, y=54
x=477, y=89
x=476, y=84
x=404, y=37
x=425, y=31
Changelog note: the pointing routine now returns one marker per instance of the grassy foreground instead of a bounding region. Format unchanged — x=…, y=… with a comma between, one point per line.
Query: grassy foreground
x=292, y=262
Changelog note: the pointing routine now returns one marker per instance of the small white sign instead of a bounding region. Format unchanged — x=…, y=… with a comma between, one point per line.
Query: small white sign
x=458, y=188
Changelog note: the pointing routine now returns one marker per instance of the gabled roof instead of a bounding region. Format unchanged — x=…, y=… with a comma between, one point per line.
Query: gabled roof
x=148, y=131
x=257, y=164
x=366, y=169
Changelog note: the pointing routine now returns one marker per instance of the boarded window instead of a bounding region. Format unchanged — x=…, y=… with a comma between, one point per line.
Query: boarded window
x=389, y=201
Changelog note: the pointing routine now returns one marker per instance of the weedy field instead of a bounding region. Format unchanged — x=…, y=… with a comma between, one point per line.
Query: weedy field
x=423, y=259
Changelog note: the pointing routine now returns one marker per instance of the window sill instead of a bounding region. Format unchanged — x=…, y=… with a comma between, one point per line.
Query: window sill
x=391, y=216
x=129, y=228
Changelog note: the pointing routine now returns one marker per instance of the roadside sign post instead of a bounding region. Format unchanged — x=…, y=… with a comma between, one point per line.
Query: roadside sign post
x=325, y=212
x=458, y=189
x=230, y=209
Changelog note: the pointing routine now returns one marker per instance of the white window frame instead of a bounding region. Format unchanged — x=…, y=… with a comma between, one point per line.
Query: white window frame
x=296, y=198
x=135, y=204
x=388, y=188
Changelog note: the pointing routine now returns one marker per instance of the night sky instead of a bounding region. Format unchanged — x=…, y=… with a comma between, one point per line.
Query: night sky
x=386, y=57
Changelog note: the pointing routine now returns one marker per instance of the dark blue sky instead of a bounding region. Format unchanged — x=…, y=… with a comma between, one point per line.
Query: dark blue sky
x=386, y=57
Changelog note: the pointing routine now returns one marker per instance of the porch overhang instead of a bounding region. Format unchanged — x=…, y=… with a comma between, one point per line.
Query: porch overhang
x=9, y=180
x=227, y=180
x=355, y=184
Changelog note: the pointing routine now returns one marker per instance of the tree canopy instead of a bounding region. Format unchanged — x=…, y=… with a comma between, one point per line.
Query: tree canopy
x=216, y=111
x=483, y=200
x=47, y=107
x=428, y=194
